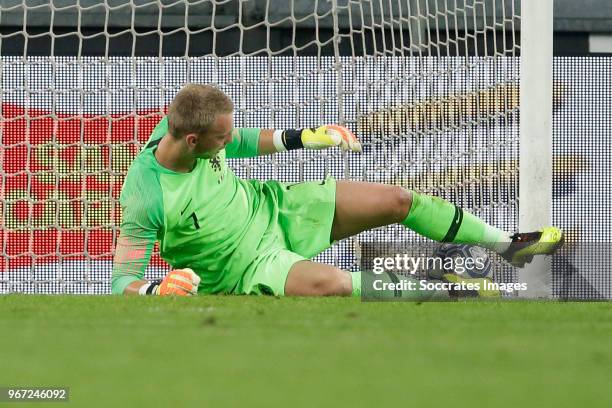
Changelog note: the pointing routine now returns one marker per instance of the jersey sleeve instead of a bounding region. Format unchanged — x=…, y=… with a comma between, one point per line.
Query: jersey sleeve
x=141, y=221
x=244, y=143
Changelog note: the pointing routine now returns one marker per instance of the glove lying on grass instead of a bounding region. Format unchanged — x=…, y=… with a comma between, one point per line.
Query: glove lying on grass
x=180, y=282
x=316, y=139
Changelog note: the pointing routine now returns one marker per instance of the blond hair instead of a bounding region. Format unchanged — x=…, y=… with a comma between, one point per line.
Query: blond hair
x=195, y=108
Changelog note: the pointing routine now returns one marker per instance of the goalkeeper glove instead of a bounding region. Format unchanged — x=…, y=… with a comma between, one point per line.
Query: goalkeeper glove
x=181, y=282
x=315, y=139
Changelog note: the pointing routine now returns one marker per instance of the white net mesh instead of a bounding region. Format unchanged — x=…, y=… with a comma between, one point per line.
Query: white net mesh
x=431, y=87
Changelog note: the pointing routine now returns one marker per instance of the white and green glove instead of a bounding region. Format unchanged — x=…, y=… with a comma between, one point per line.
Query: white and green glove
x=316, y=139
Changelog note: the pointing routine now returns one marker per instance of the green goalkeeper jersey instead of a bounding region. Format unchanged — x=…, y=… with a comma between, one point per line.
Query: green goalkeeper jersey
x=207, y=219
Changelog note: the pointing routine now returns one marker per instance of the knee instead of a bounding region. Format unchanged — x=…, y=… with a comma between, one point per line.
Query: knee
x=401, y=201
x=311, y=279
x=336, y=283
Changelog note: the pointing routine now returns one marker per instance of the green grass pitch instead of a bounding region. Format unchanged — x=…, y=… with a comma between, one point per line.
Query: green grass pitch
x=298, y=352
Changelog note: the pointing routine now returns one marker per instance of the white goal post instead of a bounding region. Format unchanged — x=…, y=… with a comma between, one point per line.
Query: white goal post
x=536, y=164
x=432, y=88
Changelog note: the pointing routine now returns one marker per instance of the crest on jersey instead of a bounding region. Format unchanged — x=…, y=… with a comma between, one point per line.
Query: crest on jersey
x=215, y=163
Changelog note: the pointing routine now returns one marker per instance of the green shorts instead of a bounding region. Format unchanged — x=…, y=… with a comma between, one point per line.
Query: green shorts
x=303, y=230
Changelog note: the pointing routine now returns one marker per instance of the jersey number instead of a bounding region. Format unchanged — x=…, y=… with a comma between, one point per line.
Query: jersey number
x=196, y=224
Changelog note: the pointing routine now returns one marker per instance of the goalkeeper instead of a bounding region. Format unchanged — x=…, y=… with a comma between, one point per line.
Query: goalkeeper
x=222, y=234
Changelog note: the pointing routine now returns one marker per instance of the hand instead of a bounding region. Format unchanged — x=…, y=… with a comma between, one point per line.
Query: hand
x=329, y=136
x=181, y=282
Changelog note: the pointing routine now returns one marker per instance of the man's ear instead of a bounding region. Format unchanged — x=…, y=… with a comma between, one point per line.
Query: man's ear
x=191, y=139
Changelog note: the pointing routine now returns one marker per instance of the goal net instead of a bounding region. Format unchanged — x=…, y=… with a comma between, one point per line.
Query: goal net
x=431, y=87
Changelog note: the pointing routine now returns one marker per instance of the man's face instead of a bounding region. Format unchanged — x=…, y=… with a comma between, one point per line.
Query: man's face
x=218, y=136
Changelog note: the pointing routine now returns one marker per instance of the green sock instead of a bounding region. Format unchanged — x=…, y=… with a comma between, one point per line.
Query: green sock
x=368, y=278
x=356, y=279
x=442, y=221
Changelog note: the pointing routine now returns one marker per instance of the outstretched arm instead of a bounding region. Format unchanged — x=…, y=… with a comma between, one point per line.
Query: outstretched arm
x=266, y=142
x=250, y=142
x=323, y=137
